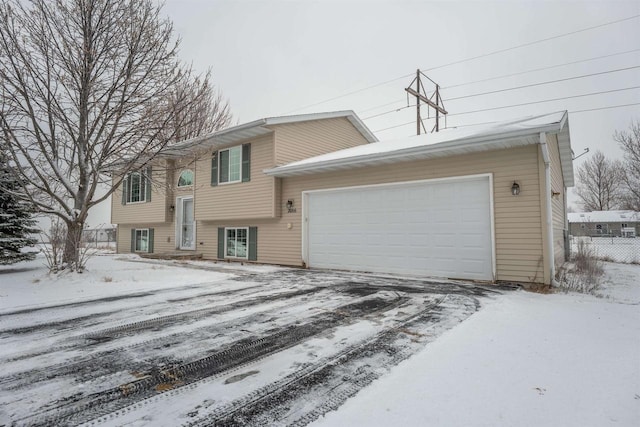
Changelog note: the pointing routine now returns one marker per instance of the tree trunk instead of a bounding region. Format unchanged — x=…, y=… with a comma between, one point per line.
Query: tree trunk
x=72, y=243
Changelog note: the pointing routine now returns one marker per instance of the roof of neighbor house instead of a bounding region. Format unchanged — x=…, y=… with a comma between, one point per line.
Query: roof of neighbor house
x=261, y=127
x=448, y=142
x=604, y=216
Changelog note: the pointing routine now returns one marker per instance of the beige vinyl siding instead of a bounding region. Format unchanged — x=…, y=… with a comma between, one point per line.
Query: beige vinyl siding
x=155, y=211
x=558, y=203
x=297, y=141
x=163, y=237
x=517, y=218
x=239, y=200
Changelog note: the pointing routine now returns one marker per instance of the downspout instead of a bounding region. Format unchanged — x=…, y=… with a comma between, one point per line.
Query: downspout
x=548, y=214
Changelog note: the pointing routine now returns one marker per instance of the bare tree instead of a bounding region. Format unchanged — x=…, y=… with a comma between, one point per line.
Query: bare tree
x=87, y=86
x=206, y=111
x=630, y=143
x=599, y=183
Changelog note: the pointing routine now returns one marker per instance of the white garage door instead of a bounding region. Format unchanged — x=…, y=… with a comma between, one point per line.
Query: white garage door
x=439, y=228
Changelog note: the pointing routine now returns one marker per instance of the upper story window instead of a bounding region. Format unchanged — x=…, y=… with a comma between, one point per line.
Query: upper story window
x=186, y=178
x=231, y=165
x=136, y=187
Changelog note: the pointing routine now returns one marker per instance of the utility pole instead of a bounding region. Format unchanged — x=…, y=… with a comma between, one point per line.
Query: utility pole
x=420, y=93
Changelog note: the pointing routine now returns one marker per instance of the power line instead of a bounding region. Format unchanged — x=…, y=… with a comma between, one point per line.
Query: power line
x=465, y=60
x=504, y=76
x=544, y=83
x=388, y=112
x=515, y=105
x=351, y=93
x=540, y=69
x=546, y=100
x=495, y=52
x=604, y=108
x=381, y=105
x=484, y=123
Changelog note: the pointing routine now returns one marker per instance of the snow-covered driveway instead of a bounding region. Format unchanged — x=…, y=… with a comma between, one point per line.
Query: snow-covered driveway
x=246, y=346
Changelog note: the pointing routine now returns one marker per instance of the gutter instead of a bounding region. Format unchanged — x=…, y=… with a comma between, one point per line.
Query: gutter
x=548, y=212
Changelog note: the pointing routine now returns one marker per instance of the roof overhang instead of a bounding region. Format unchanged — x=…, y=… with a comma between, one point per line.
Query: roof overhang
x=385, y=152
x=259, y=128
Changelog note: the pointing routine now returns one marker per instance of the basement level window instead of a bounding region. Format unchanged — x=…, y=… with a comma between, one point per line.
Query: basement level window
x=142, y=240
x=236, y=242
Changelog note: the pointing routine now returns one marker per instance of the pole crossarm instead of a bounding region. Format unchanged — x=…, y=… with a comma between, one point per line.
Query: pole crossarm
x=426, y=100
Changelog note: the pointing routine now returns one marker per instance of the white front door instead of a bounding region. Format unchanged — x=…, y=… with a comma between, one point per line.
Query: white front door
x=186, y=225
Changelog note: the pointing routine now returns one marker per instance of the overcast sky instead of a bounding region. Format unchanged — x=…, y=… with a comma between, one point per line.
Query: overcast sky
x=286, y=57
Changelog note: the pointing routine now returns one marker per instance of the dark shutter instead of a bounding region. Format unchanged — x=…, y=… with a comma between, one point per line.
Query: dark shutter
x=125, y=184
x=214, y=168
x=133, y=240
x=246, y=162
x=150, y=240
x=148, y=184
x=253, y=243
x=221, y=238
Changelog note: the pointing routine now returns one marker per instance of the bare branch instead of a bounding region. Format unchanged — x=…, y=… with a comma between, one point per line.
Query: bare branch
x=89, y=84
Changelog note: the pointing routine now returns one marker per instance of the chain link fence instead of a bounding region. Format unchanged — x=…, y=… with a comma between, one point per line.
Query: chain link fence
x=99, y=238
x=609, y=248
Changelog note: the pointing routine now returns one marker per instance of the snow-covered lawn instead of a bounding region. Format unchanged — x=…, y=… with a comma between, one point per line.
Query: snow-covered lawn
x=168, y=343
x=525, y=359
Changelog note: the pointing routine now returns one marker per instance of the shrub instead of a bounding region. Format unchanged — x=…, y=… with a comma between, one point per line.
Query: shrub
x=585, y=273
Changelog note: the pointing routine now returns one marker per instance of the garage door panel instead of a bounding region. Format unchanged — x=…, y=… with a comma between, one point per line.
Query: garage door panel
x=429, y=228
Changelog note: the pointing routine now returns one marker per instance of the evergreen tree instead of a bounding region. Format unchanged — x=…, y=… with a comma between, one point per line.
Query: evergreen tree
x=16, y=221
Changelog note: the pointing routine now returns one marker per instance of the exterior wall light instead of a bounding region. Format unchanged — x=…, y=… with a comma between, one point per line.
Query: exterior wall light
x=515, y=188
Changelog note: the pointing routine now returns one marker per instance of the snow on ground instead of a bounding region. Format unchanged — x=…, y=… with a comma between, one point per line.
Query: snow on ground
x=28, y=284
x=525, y=359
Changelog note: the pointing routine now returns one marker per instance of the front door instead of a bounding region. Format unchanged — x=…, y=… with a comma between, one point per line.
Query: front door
x=186, y=225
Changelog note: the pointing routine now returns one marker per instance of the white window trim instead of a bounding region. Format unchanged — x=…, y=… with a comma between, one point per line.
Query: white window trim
x=143, y=195
x=135, y=235
x=193, y=175
x=225, y=242
x=220, y=168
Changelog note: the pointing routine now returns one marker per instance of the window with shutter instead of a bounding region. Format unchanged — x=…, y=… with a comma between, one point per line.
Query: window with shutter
x=231, y=165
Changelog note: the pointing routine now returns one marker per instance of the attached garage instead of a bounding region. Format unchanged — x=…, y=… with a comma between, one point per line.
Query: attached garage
x=440, y=227
x=483, y=204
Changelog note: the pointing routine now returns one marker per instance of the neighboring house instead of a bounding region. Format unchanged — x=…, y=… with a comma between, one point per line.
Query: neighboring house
x=319, y=191
x=605, y=223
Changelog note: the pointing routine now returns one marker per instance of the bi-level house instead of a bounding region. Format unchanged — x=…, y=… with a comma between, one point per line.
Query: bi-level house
x=319, y=190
